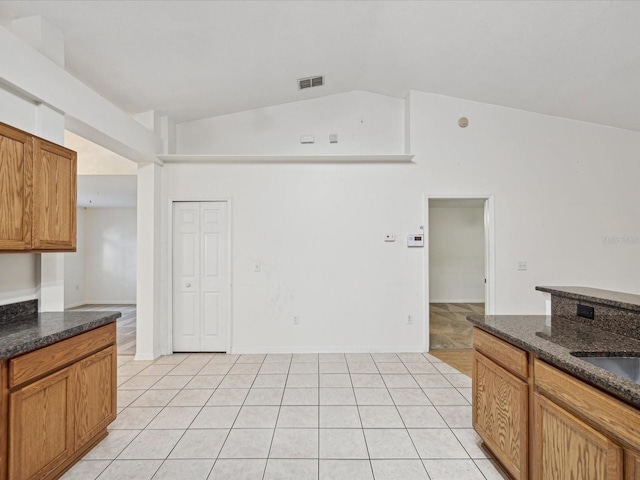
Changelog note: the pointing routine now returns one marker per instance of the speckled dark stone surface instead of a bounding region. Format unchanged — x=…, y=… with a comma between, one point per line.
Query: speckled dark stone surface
x=24, y=334
x=552, y=339
x=17, y=310
x=610, y=319
x=628, y=301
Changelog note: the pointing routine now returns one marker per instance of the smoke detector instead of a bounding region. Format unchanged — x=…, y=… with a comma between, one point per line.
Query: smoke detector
x=309, y=82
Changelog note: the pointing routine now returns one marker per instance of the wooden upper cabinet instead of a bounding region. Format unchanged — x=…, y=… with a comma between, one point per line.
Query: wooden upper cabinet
x=16, y=167
x=38, y=186
x=54, y=197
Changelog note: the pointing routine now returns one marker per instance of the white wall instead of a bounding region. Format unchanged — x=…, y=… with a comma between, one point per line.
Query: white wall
x=110, y=261
x=96, y=160
x=18, y=278
x=74, y=267
x=559, y=186
x=318, y=233
x=456, y=254
x=365, y=123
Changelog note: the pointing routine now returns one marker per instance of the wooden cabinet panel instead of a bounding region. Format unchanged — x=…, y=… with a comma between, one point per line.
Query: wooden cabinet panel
x=500, y=414
x=41, y=426
x=510, y=357
x=610, y=415
x=34, y=364
x=16, y=166
x=38, y=194
x=631, y=465
x=95, y=397
x=54, y=197
x=4, y=418
x=567, y=448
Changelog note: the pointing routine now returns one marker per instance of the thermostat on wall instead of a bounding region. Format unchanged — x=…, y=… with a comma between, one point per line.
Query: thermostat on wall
x=415, y=240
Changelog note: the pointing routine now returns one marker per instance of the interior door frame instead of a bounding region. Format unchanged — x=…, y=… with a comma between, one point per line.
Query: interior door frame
x=489, y=249
x=173, y=200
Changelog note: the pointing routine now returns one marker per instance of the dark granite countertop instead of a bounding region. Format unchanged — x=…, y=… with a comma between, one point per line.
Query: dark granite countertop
x=23, y=334
x=628, y=301
x=552, y=339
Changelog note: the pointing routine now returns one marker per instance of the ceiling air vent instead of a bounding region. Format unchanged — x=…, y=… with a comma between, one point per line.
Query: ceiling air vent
x=310, y=82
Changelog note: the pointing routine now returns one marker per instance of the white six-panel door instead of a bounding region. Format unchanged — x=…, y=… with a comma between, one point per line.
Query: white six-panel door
x=201, y=280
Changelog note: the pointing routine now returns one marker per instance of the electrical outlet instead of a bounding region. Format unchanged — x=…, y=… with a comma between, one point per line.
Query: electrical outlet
x=390, y=237
x=296, y=320
x=258, y=267
x=409, y=319
x=522, y=265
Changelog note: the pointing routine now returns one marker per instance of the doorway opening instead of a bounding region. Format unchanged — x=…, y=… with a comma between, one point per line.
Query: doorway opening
x=459, y=260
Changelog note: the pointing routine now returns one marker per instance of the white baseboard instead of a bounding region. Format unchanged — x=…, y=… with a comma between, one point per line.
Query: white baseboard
x=457, y=300
x=146, y=356
x=109, y=302
x=73, y=305
x=345, y=349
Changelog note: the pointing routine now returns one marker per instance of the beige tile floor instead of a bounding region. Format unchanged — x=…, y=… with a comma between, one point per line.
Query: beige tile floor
x=282, y=416
x=448, y=326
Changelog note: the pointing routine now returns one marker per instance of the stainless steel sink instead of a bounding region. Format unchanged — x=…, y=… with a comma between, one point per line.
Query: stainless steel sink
x=627, y=367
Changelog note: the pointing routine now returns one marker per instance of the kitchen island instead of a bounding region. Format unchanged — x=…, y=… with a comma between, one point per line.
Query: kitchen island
x=540, y=407
x=57, y=388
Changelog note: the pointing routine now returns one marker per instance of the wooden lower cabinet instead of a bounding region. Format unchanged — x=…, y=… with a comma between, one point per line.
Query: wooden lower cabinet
x=56, y=416
x=548, y=424
x=95, y=398
x=500, y=414
x=566, y=448
x=40, y=426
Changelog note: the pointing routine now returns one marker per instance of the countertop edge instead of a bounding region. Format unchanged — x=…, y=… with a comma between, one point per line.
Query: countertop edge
x=621, y=388
x=45, y=341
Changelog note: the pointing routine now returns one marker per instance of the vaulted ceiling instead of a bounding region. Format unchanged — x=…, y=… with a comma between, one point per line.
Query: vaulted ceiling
x=195, y=59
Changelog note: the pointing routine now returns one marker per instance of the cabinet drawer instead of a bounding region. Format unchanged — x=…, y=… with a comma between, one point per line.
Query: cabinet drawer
x=597, y=408
x=32, y=365
x=510, y=357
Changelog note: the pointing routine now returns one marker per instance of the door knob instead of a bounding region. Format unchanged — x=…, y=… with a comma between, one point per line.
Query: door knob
x=188, y=285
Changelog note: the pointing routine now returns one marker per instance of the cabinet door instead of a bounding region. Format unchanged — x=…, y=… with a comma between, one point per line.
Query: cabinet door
x=16, y=167
x=95, y=398
x=40, y=426
x=567, y=448
x=631, y=465
x=500, y=413
x=54, y=197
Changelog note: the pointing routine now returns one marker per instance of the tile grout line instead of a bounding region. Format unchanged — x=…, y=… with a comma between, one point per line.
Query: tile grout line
x=366, y=445
x=273, y=435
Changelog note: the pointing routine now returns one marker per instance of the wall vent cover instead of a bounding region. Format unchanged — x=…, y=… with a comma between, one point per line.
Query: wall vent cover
x=309, y=82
